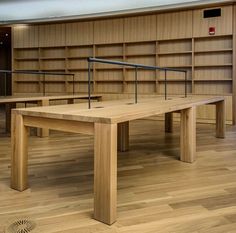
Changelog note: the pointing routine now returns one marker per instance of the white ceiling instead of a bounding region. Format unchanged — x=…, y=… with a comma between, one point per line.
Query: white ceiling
x=41, y=10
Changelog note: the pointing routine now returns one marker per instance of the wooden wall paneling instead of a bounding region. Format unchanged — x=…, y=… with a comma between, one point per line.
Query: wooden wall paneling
x=109, y=75
x=82, y=51
x=25, y=36
x=176, y=60
x=223, y=24
x=51, y=35
x=109, y=87
x=234, y=67
x=26, y=53
x=141, y=48
x=214, y=58
x=213, y=74
x=53, y=52
x=214, y=43
x=109, y=51
x=174, y=25
x=175, y=88
x=77, y=64
x=177, y=46
x=219, y=88
x=108, y=31
x=143, y=88
x=79, y=33
x=175, y=76
x=140, y=28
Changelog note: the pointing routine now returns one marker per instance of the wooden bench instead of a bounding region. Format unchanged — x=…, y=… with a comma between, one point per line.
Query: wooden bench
x=108, y=121
x=10, y=103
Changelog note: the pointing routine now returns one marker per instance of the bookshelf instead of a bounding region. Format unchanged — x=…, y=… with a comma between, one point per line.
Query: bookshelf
x=165, y=39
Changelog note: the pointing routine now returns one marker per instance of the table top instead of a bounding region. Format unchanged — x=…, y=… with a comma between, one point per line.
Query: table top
x=17, y=99
x=117, y=111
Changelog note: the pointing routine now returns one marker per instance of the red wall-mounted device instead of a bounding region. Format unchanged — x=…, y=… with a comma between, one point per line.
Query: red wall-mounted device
x=212, y=30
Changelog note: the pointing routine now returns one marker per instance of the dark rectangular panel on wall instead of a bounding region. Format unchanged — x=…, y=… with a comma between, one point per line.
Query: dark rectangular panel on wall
x=140, y=28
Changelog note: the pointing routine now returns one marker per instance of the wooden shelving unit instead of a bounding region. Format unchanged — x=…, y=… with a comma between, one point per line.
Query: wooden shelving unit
x=159, y=40
x=211, y=63
x=206, y=65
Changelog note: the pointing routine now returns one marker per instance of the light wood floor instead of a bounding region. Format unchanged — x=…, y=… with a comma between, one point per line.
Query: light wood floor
x=156, y=192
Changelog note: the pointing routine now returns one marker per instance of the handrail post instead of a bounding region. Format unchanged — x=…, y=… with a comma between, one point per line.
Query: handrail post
x=136, y=85
x=89, y=83
x=165, y=86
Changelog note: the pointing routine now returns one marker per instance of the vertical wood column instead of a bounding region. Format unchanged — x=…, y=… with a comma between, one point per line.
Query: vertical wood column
x=105, y=172
x=8, y=108
x=43, y=132
x=123, y=136
x=19, y=159
x=169, y=122
x=220, y=119
x=188, y=135
x=234, y=67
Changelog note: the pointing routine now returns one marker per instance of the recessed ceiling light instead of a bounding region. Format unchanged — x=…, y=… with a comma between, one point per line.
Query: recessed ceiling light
x=6, y=34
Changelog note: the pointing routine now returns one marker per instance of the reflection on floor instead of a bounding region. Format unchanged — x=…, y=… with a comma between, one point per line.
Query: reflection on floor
x=156, y=192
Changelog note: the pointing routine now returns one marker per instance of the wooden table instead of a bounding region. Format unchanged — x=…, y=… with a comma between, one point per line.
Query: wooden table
x=11, y=101
x=108, y=121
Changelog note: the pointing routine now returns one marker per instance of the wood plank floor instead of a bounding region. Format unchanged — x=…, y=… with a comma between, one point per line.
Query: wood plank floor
x=156, y=192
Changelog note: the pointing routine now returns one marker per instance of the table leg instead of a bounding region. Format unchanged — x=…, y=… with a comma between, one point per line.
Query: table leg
x=188, y=135
x=220, y=119
x=123, y=136
x=43, y=132
x=105, y=172
x=19, y=160
x=8, y=108
x=169, y=122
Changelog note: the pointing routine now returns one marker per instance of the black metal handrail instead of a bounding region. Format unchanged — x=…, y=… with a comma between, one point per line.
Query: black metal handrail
x=136, y=66
x=5, y=72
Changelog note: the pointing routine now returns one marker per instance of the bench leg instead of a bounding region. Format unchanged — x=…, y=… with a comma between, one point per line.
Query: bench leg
x=8, y=108
x=105, y=172
x=220, y=119
x=123, y=136
x=169, y=122
x=19, y=160
x=43, y=132
x=188, y=135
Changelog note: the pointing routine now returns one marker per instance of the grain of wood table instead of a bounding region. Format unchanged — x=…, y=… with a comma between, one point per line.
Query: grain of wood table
x=108, y=121
x=10, y=103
